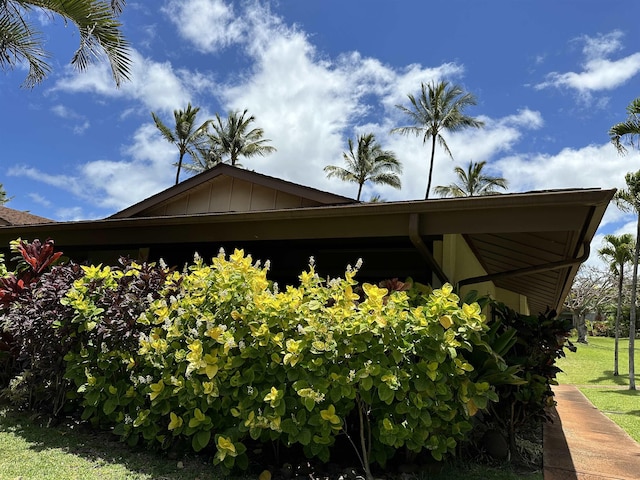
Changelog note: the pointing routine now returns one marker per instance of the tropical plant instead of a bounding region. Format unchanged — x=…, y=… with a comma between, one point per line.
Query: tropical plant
x=369, y=163
x=618, y=250
x=472, y=182
x=224, y=359
x=629, y=200
x=439, y=107
x=185, y=134
x=233, y=138
x=540, y=340
x=97, y=25
x=629, y=129
x=4, y=199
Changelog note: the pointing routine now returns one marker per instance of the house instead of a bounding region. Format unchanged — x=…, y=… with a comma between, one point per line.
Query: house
x=523, y=248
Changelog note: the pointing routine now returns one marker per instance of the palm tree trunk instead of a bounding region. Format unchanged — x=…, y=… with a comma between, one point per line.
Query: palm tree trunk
x=179, y=167
x=617, y=324
x=632, y=317
x=359, y=191
x=433, y=152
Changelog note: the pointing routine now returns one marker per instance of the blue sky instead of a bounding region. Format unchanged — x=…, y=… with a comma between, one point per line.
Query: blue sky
x=550, y=76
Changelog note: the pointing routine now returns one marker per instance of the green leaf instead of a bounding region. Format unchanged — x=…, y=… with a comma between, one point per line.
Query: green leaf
x=305, y=436
x=385, y=394
x=110, y=405
x=366, y=383
x=201, y=440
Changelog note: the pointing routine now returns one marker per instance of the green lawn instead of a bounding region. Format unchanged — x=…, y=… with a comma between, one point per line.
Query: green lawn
x=30, y=451
x=591, y=370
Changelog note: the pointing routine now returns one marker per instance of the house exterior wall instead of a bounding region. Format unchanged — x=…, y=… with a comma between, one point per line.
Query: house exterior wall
x=228, y=194
x=458, y=262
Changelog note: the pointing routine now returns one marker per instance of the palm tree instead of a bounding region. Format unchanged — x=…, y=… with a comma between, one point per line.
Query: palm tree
x=232, y=137
x=96, y=22
x=369, y=163
x=207, y=154
x=472, y=183
x=3, y=196
x=618, y=250
x=629, y=200
x=185, y=134
x=629, y=128
x=440, y=107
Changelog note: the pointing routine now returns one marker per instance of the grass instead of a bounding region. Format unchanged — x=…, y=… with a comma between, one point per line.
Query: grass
x=30, y=450
x=591, y=370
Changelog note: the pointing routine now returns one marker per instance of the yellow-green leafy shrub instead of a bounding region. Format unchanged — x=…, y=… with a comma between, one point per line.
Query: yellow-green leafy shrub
x=224, y=356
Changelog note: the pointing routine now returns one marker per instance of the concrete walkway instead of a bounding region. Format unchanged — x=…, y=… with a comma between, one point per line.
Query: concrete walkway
x=584, y=444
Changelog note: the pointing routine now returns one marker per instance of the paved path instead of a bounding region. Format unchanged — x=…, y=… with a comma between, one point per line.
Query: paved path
x=584, y=444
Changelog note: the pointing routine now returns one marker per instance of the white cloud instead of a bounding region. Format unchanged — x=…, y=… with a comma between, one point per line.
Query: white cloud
x=39, y=199
x=70, y=214
x=587, y=167
x=66, y=113
x=114, y=185
x=155, y=85
x=599, y=72
x=209, y=24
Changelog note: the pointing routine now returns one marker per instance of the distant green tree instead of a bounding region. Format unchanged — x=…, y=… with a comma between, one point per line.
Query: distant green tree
x=439, y=107
x=472, y=183
x=368, y=163
x=185, y=135
x=618, y=251
x=233, y=138
x=97, y=25
x=629, y=200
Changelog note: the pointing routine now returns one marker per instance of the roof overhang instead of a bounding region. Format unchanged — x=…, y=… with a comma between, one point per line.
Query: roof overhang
x=531, y=243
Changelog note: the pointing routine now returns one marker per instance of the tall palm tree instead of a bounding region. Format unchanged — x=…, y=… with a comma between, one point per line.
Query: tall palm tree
x=369, y=163
x=233, y=137
x=629, y=200
x=629, y=129
x=440, y=107
x=3, y=195
x=185, y=134
x=472, y=183
x=618, y=251
x=97, y=25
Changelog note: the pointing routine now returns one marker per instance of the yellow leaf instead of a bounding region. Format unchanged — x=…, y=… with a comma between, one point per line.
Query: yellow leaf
x=445, y=321
x=226, y=445
x=156, y=389
x=265, y=475
x=214, y=333
x=471, y=407
x=271, y=396
x=471, y=311
x=211, y=370
x=374, y=292
x=176, y=421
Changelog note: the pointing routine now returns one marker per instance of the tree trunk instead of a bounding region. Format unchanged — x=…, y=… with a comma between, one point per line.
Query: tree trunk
x=617, y=324
x=581, y=326
x=433, y=153
x=632, y=317
x=179, y=167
